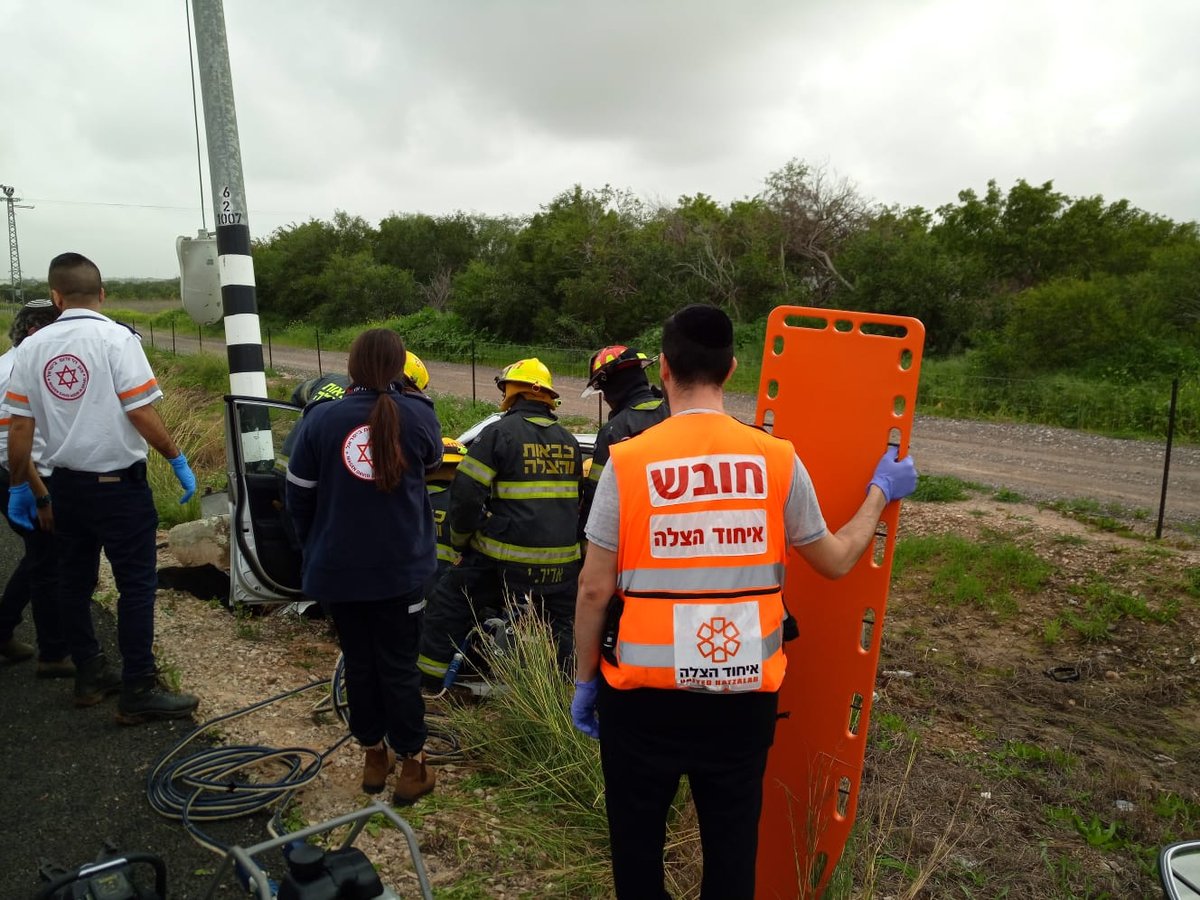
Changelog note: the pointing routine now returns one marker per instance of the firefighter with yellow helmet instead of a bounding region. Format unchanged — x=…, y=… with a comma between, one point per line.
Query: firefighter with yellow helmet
x=514, y=508
x=438, y=483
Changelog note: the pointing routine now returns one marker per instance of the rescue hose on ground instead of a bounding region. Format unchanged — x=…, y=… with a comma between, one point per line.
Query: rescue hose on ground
x=206, y=787
x=211, y=785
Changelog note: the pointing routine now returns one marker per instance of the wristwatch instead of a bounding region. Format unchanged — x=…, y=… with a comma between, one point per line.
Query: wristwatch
x=43, y=501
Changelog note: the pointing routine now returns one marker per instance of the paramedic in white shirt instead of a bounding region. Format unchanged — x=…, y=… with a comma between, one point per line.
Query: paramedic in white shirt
x=85, y=384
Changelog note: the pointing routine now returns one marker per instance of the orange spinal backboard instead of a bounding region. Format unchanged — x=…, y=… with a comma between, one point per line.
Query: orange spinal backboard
x=840, y=386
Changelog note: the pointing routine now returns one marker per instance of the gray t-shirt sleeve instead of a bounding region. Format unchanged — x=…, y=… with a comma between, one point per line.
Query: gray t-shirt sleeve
x=603, y=524
x=802, y=513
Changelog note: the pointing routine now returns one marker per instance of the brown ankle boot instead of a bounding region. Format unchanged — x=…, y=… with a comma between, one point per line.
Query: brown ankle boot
x=415, y=780
x=378, y=764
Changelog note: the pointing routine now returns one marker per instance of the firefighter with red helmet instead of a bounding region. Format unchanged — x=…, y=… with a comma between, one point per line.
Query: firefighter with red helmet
x=514, y=513
x=619, y=373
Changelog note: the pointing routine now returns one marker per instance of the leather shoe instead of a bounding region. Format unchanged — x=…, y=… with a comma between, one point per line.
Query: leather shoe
x=94, y=681
x=143, y=699
x=416, y=779
x=55, y=668
x=15, y=651
x=377, y=766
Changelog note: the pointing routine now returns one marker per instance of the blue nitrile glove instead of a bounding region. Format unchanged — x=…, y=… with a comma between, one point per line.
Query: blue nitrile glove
x=187, y=478
x=583, y=707
x=897, y=478
x=22, y=508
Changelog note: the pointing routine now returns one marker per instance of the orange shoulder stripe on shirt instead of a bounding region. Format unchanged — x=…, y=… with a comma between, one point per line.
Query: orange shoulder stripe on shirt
x=5, y=421
x=140, y=389
x=19, y=398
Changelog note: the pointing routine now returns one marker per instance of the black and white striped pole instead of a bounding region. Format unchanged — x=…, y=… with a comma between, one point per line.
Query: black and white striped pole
x=243, y=334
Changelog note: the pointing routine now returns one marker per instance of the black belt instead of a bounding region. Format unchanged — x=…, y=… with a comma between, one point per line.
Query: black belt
x=134, y=473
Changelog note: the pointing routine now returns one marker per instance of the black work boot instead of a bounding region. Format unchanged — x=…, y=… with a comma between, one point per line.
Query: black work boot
x=94, y=681
x=143, y=699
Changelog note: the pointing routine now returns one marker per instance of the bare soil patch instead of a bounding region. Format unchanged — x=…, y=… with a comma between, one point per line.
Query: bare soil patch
x=1053, y=768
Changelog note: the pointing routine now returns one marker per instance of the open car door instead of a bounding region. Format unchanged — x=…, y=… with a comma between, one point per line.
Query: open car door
x=264, y=563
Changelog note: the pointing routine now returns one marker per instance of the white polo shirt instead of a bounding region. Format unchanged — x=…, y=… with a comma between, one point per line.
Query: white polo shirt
x=39, y=445
x=77, y=378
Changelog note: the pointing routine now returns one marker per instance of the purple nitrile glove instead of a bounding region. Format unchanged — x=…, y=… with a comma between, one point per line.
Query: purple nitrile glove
x=897, y=478
x=583, y=707
x=22, y=508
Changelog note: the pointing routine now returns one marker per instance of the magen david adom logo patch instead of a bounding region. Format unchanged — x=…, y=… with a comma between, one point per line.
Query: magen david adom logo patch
x=66, y=376
x=356, y=453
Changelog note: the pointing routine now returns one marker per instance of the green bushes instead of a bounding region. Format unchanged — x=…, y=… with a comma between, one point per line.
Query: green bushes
x=963, y=388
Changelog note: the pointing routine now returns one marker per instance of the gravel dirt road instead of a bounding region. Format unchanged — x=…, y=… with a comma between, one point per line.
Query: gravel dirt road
x=1036, y=461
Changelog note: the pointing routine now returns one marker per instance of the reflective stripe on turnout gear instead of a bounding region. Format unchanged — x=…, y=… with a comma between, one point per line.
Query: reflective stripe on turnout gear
x=476, y=470
x=536, y=490
x=432, y=667
x=529, y=556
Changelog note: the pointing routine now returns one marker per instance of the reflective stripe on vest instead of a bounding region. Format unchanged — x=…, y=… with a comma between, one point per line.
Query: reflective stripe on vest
x=663, y=655
x=701, y=556
x=748, y=579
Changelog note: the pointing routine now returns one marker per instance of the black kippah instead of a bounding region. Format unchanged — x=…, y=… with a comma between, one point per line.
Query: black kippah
x=705, y=325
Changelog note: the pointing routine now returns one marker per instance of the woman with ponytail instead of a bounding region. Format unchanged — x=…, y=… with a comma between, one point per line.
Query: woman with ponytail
x=356, y=492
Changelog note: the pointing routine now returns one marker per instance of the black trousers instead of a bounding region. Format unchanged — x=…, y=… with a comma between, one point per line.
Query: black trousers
x=34, y=584
x=114, y=512
x=479, y=587
x=379, y=640
x=643, y=758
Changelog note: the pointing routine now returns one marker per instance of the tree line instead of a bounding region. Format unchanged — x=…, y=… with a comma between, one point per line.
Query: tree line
x=115, y=290
x=1031, y=278
x=1028, y=279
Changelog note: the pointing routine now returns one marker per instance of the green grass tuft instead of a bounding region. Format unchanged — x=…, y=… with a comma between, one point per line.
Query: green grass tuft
x=549, y=775
x=939, y=489
x=988, y=572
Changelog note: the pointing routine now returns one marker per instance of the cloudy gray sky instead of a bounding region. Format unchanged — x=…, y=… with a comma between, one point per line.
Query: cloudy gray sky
x=377, y=106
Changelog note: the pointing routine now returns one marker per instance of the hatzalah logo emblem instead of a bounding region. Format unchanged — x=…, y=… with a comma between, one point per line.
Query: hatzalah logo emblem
x=356, y=453
x=719, y=639
x=66, y=376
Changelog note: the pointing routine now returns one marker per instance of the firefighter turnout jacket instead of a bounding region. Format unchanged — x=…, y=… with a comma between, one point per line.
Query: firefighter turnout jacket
x=515, y=497
x=439, y=499
x=643, y=408
x=701, y=549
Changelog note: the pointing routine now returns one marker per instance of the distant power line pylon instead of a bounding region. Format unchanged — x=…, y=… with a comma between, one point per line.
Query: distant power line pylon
x=14, y=255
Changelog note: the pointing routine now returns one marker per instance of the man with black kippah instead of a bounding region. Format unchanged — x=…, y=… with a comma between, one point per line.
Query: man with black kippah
x=682, y=583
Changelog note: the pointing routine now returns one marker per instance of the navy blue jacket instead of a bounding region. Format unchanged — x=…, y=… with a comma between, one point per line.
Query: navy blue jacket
x=360, y=543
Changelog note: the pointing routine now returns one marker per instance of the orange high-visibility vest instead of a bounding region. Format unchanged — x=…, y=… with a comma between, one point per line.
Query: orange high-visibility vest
x=701, y=549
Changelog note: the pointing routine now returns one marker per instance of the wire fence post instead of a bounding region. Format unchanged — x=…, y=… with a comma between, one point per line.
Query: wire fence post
x=200, y=337
x=151, y=334
x=270, y=355
x=1162, y=501
x=473, y=400
x=172, y=336
x=320, y=371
